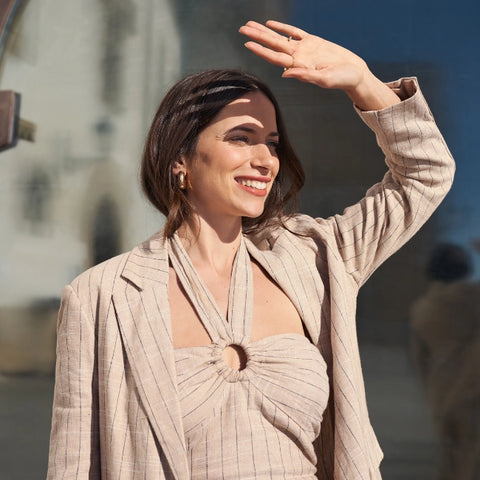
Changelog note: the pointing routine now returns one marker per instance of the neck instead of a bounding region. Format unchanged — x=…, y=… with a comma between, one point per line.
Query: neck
x=211, y=245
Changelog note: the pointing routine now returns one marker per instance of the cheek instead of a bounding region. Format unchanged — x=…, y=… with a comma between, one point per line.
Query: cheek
x=276, y=168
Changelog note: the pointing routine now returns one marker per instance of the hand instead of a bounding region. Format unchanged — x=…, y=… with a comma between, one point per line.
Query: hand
x=306, y=57
x=312, y=59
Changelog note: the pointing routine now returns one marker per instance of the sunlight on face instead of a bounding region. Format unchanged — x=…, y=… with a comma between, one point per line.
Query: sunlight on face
x=235, y=162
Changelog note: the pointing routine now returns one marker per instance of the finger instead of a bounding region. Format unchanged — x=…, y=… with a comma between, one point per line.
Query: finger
x=289, y=30
x=307, y=75
x=297, y=73
x=271, y=56
x=323, y=77
x=262, y=34
x=262, y=28
x=255, y=28
x=268, y=38
x=259, y=26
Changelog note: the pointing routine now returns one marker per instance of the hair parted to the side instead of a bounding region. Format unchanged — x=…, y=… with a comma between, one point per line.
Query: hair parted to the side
x=187, y=109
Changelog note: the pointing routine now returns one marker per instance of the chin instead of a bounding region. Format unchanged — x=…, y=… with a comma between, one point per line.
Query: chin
x=253, y=214
x=251, y=210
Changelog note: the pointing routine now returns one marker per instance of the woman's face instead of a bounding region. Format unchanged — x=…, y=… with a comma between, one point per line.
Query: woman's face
x=235, y=162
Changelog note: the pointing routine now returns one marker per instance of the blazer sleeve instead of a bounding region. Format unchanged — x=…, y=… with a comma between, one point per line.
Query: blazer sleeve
x=74, y=442
x=420, y=174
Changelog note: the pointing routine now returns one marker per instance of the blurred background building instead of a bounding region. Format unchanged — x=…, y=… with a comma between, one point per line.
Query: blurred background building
x=91, y=74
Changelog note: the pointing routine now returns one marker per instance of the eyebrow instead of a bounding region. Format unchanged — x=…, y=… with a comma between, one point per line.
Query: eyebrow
x=245, y=128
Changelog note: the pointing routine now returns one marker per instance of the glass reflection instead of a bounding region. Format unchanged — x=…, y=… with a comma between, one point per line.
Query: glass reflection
x=446, y=347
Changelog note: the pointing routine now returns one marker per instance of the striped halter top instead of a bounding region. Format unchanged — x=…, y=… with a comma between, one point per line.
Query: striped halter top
x=258, y=422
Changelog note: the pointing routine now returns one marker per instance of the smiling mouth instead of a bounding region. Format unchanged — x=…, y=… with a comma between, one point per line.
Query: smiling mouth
x=252, y=183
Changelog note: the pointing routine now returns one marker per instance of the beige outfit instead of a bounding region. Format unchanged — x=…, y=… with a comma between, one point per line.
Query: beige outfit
x=261, y=421
x=117, y=412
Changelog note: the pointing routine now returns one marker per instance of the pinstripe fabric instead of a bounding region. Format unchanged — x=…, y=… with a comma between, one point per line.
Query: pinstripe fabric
x=116, y=412
x=259, y=422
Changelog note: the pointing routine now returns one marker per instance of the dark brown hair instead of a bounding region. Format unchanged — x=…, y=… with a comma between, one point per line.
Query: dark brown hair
x=184, y=113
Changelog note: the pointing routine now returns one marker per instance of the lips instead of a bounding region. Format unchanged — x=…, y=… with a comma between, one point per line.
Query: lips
x=253, y=183
x=255, y=186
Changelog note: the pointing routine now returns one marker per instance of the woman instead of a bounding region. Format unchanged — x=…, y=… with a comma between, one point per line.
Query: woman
x=225, y=345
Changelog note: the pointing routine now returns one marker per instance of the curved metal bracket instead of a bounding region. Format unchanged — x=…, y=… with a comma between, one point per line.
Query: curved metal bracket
x=11, y=126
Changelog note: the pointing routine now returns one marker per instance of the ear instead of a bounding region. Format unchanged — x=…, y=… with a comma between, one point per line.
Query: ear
x=179, y=166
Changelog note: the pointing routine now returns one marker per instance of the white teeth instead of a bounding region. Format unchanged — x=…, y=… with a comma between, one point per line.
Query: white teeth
x=254, y=184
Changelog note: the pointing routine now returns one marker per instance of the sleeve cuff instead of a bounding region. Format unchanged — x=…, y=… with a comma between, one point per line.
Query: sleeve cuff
x=404, y=87
x=412, y=104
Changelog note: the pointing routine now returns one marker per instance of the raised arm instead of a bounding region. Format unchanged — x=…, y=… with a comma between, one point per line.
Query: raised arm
x=420, y=165
x=312, y=59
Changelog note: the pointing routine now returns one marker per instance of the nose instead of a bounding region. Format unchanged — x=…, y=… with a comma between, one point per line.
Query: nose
x=265, y=158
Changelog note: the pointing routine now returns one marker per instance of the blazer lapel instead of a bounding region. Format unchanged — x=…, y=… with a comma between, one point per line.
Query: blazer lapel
x=143, y=315
x=289, y=273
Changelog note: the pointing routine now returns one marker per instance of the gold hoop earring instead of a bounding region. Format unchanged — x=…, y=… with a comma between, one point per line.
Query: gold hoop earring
x=182, y=184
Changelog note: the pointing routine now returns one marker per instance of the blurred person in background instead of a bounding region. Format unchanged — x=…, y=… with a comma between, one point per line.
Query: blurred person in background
x=445, y=324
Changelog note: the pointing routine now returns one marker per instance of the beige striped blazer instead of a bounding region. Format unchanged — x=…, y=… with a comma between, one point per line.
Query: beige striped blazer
x=116, y=413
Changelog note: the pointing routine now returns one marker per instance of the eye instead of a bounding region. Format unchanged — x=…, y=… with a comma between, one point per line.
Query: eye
x=274, y=144
x=239, y=139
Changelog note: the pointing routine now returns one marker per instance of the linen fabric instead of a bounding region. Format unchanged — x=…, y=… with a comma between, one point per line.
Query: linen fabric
x=116, y=412
x=258, y=421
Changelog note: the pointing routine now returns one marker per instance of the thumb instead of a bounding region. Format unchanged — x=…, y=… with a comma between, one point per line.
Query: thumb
x=303, y=74
x=323, y=77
